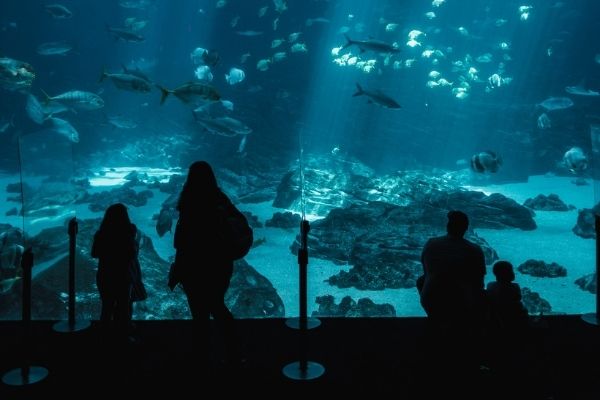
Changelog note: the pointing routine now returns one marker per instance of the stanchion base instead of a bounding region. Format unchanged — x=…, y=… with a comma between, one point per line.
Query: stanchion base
x=19, y=377
x=65, y=326
x=313, y=370
x=591, y=318
x=311, y=323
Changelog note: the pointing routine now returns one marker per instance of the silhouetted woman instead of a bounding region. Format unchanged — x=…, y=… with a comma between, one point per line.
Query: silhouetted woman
x=116, y=249
x=204, y=267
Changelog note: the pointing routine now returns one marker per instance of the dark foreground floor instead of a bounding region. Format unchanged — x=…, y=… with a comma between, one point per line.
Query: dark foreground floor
x=363, y=357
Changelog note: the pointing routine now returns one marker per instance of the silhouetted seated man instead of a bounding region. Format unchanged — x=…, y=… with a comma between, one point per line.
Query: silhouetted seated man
x=452, y=292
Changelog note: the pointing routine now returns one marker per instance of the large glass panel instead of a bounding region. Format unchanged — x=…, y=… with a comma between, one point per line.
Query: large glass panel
x=370, y=118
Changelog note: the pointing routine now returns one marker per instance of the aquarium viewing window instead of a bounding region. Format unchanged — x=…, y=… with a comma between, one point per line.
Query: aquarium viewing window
x=369, y=119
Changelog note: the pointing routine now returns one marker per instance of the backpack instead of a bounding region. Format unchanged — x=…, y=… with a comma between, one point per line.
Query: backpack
x=235, y=233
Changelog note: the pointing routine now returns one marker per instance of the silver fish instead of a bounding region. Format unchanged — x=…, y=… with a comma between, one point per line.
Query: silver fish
x=60, y=48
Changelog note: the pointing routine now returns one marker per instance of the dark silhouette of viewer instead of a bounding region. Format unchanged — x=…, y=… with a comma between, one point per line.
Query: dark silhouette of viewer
x=504, y=298
x=203, y=265
x=119, y=277
x=452, y=294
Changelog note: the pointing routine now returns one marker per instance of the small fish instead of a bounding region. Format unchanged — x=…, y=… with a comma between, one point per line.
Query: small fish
x=58, y=11
x=235, y=75
x=249, y=33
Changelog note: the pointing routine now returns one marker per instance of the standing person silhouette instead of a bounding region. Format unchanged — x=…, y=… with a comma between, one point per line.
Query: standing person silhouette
x=203, y=265
x=116, y=248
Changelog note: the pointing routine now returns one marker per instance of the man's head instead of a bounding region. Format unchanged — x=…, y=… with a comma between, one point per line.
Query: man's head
x=458, y=223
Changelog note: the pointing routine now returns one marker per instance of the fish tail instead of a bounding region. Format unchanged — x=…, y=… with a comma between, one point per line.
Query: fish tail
x=359, y=91
x=103, y=74
x=163, y=94
x=349, y=41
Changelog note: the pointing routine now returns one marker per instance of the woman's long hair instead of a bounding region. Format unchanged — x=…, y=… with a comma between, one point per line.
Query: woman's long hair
x=116, y=221
x=199, y=188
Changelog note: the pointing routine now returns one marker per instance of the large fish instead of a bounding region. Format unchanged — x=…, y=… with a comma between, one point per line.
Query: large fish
x=128, y=82
x=58, y=11
x=191, y=91
x=224, y=126
x=77, y=99
x=377, y=97
x=60, y=48
x=580, y=90
x=125, y=34
x=371, y=44
x=556, y=103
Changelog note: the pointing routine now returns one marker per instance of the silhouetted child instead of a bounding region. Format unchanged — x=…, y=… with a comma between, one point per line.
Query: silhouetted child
x=116, y=248
x=504, y=295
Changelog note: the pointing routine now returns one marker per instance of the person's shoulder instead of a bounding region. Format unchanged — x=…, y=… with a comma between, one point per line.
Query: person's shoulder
x=473, y=245
x=492, y=285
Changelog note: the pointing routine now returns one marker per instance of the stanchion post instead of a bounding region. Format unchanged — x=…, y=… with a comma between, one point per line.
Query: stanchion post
x=303, y=369
x=25, y=374
x=71, y=325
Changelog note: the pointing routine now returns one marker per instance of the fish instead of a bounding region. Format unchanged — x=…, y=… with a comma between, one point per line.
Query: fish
x=556, y=103
x=486, y=161
x=125, y=34
x=77, y=99
x=249, y=33
x=120, y=122
x=6, y=124
x=136, y=72
x=371, y=44
x=7, y=284
x=235, y=75
x=64, y=128
x=580, y=90
x=544, y=122
x=377, y=97
x=575, y=160
x=128, y=82
x=190, y=91
x=138, y=4
x=58, y=11
x=223, y=126
x=15, y=74
x=60, y=48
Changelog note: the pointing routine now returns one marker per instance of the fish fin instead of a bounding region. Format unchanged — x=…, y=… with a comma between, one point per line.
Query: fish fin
x=47, y=98
x=359, y=90
x=103, y=75
x=348, y=41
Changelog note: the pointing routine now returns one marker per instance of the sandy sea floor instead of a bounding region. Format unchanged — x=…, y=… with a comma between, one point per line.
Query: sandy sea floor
x=552, y=241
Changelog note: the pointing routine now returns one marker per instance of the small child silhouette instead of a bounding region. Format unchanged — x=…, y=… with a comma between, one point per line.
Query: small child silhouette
x=504, y=296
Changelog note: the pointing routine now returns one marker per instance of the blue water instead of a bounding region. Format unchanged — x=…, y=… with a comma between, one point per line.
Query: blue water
x=302, y=106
